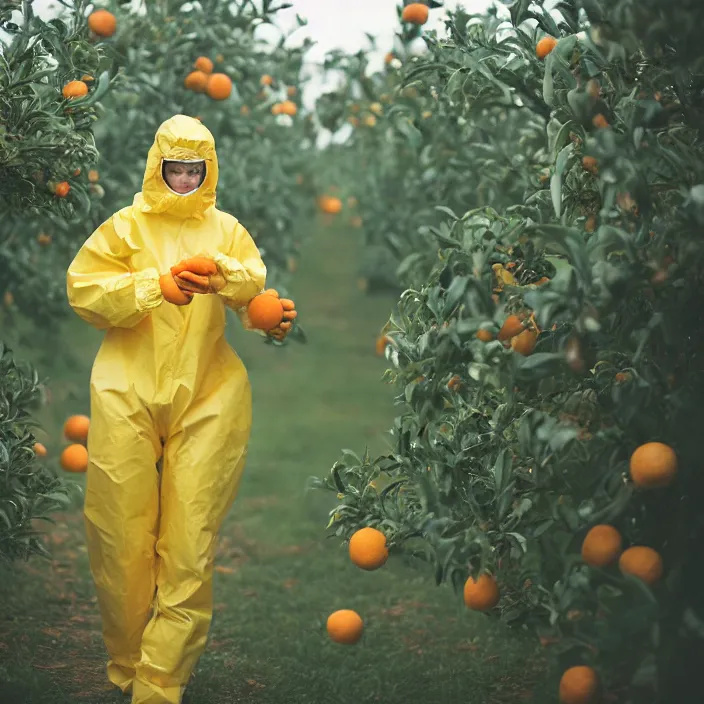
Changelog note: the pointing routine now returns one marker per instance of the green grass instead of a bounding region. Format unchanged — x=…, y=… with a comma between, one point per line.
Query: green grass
x=282, y=576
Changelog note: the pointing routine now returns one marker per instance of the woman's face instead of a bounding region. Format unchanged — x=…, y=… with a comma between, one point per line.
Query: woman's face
x=183, y=178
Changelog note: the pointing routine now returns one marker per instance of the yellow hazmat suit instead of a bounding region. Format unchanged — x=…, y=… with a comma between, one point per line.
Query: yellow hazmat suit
x=165, y=385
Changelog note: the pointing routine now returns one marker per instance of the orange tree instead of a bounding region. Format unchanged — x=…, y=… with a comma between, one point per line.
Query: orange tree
x=545, y=456
x=420, y=146
x=46, y=148
x=46, y=145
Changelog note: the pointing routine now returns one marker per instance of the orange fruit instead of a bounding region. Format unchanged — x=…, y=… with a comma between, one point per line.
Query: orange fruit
x=512, y=326
x=331, y=205
x=265, y=311
x=415, y=13
x=219, y=86
x=171, y=292
x=590, y=224
x=368, y=548
x=44, y=239
x=454, y=383
x=203, y=266
x=524, y=342
x=74, y=458
x=370, y=120
x=288, y=107
x=244, y=110
x=277, y=108
x=102, y=23
x=39, y=450
x=76, y=428
x=93, y=176
x=589, y=164
x=484, y=335
x=74, y=89
x=600, y=121
x=62, y=189
x=602, y=546
x=545, y=46
x=579, y=685
x=197, y=81
x=642, y=562
x=653, y=465
x=389, y=57
x=266, y=80
x=204, y=64
x=481, y=594
x=345, y=626
x=77, y=172
x=381, y=342
x=291, y=91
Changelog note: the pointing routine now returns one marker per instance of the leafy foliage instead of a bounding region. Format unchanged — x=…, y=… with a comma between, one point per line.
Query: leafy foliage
x=29, y=488
x=503, y=459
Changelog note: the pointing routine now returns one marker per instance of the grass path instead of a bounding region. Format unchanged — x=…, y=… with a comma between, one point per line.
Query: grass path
x=278, y=576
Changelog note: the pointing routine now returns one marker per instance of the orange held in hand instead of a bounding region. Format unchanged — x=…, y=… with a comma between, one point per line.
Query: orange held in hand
x=204, y=266
x=76, y=428
x=345, y=626
x=368, y=548
x=265, y=311
x=172, y=293
x=74, y=458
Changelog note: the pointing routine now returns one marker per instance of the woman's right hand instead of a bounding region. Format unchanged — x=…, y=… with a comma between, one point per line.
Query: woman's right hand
x=172, y=292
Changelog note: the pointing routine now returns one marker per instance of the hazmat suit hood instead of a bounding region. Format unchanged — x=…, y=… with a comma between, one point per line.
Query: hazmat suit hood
x=180, y=138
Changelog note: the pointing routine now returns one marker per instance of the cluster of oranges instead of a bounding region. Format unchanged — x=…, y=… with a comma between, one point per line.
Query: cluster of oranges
x=652, y=465
x=74, y=457
x=368, y=550
x=217, y=86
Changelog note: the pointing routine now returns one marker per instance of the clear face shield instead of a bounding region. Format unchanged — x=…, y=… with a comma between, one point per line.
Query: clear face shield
x=182, y=177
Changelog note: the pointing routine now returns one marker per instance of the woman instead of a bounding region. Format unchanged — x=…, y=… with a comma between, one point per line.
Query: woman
x=165, y=387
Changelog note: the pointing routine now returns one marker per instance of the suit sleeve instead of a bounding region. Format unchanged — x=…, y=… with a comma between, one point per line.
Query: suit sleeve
x=244, y=272
x=101, y=286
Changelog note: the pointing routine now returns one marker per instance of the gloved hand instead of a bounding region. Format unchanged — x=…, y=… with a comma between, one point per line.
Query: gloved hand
x=284, y=327
x=198, y=275
x=172, y=292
